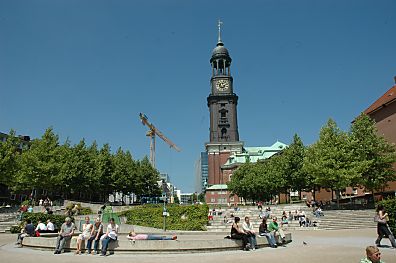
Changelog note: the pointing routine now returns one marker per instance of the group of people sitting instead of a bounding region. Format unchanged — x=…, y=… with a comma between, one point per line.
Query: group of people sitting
x=95, y=233
x=91, y=233
x=30, y=231
x=247, y=234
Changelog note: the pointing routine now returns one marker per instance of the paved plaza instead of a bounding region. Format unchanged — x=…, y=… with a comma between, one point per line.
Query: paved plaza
x=322, y=246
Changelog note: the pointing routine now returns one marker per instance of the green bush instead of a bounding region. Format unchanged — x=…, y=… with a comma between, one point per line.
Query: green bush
x=193, y=217
x=16, y=229
x=390, y=208
x=57, y=220
x=85, y=211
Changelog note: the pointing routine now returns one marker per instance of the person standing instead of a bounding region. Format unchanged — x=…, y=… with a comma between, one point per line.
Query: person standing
x=382, y=226
x=110, y=236
x=373, y=255
x=247, y=227
x=66, y=232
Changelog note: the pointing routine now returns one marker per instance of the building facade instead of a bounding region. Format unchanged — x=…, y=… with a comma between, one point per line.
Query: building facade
x=201, y=173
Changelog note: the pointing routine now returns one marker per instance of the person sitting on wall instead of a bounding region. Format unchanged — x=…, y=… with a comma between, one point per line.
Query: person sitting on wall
x=66, y=232
x=85, y=235
x=28, y=231
x=50, y=227
x=247, y=227
x=238, y=233
x=110, y=236
x=276, y=230
x=41, y=227
x=263, y=231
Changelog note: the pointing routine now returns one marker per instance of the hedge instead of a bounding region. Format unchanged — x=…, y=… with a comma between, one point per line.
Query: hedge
x=57, y=220
x=390, y=208
x=193, y=217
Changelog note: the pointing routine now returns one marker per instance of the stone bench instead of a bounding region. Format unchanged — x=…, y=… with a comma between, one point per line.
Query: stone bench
x=122, y=245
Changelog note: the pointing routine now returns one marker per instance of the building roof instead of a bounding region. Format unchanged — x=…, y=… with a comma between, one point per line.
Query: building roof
x=253, y=154
x=387, y=98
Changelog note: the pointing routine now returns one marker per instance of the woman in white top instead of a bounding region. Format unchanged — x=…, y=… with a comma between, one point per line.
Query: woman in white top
x=85, y=235
x=110, y=236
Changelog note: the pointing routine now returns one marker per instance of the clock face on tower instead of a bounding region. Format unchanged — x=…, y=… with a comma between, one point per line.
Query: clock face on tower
x=222, y=85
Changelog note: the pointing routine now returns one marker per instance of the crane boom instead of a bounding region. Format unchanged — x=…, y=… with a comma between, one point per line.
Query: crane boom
x=151, y=133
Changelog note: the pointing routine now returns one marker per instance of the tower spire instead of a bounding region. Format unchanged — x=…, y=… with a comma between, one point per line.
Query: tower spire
x=219, y=42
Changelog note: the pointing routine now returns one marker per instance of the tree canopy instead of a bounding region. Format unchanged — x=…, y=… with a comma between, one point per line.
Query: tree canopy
x=74, y=171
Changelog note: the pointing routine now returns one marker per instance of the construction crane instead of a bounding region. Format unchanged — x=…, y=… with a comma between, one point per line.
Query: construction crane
x=151, y=133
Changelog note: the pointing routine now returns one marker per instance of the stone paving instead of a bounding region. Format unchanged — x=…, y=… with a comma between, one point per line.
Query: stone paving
x=322, y=246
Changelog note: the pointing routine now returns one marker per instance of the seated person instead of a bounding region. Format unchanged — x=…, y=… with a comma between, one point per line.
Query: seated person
x=85, y=235
x=41, y=227
x=66, y=232
x=276, y=230
x=96, y=233
x=50, y=226
x=247, y=227
x=238, y=233
x=263, y=231
x=110, y=236
x=284, y=221
x=133, y=236
x=27, y=231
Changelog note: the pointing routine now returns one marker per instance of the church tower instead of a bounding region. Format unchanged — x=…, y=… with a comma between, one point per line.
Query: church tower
x=222, y=103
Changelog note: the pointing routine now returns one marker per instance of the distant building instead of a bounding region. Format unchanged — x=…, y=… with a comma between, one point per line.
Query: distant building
x=185, y=198
x=383, y=112
x=201, y=173
x=218, y=193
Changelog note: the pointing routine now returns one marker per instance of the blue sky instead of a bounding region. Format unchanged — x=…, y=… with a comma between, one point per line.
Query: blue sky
x=87, y=68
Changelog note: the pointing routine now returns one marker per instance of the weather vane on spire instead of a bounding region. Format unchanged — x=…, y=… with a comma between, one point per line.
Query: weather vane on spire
x=219, y=26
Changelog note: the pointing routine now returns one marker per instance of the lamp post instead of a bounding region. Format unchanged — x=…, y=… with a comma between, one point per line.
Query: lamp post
x=164, y=212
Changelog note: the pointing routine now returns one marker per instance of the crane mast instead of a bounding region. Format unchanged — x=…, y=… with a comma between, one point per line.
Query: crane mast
x=151, y=133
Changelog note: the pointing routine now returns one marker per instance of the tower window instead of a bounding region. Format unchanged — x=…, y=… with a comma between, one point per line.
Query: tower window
x=223, y=114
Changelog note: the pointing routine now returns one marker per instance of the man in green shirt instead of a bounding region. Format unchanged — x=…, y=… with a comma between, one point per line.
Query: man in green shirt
x=276, y=230
x=373, y=255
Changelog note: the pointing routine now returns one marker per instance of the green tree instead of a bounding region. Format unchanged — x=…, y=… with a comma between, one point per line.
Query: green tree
x=329, y=161
x=147, y=179
x=373, y=155
x=176, y=199
x=104, y=164
x=293, y=158
x=9, y=159
x=39, y=167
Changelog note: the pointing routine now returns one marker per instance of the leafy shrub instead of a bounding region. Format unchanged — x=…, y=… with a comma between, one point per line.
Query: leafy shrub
x=16, y=229
x=390, y=208
x=57, y=220
x=194, y=217
x=85, y=211
x=77, y=209
x=26, y=202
